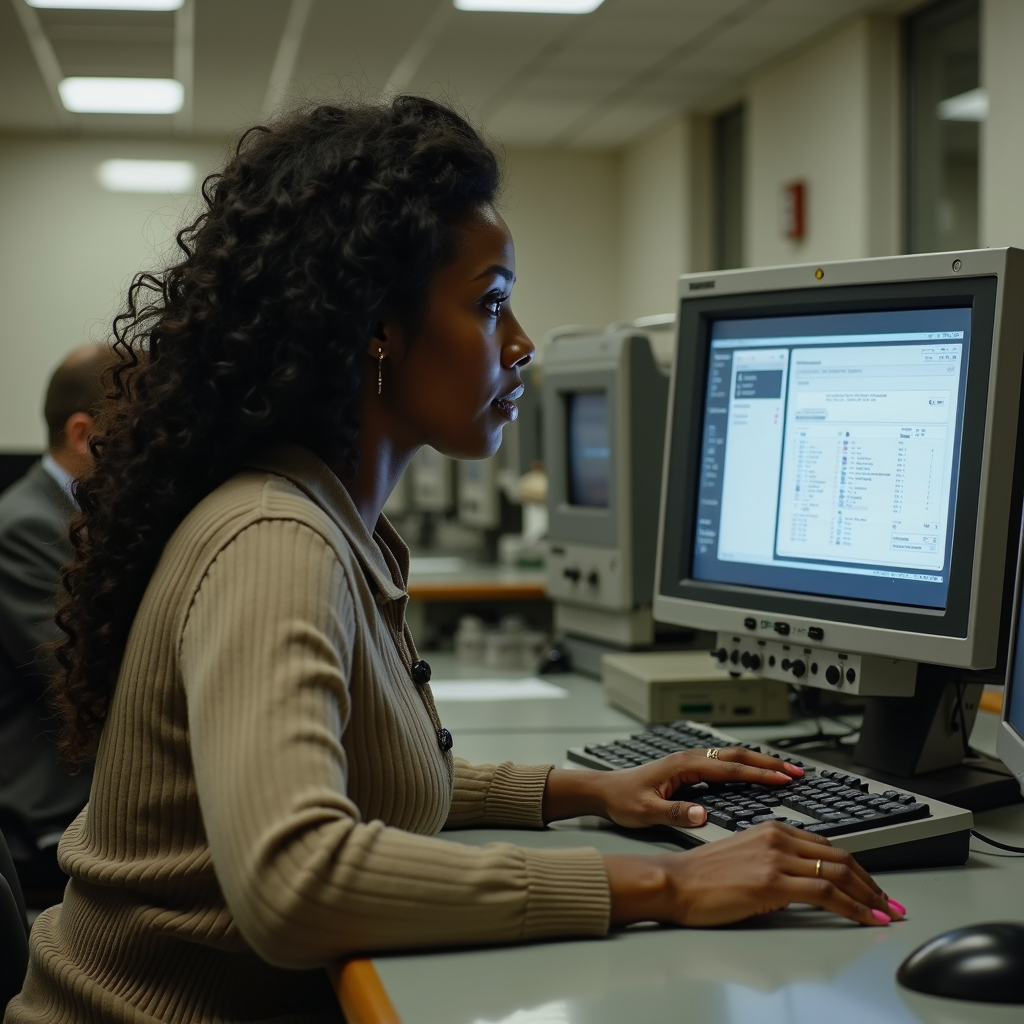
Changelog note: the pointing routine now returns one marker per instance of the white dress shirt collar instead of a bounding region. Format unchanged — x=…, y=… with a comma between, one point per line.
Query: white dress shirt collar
x=64, y=479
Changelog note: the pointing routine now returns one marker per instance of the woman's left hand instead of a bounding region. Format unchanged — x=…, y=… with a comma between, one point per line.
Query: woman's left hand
x=640, y=797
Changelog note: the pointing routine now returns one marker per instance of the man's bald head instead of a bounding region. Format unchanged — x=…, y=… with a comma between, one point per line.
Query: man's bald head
x=76, y=386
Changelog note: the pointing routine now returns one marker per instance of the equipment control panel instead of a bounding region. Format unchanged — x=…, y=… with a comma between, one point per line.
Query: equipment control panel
x=863, y=675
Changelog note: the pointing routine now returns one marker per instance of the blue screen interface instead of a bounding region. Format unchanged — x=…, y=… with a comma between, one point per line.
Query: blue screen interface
x=589, y=449
x=830, y=453
x=1015, y=691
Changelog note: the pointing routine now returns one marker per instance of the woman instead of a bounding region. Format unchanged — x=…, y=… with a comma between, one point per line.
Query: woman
x=271, y=770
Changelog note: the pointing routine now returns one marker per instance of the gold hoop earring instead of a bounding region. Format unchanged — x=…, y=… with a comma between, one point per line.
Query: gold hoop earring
x=380, y=370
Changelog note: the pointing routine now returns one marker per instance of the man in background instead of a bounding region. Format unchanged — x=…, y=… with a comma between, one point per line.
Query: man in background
x=39, y=795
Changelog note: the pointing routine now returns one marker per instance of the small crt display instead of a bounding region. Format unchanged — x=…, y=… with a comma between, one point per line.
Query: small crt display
x=589, y=449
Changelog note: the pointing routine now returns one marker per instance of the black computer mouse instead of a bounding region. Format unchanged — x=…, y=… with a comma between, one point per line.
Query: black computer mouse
x=983, y=963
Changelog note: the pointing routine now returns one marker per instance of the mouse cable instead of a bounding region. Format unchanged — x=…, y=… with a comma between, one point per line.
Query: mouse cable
x=996, y=843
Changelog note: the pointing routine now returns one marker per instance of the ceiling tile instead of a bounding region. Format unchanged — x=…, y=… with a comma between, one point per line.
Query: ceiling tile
x=234, y=53
x=623, y=124
x=139, y=60
x=530, y=122
x=25, y=103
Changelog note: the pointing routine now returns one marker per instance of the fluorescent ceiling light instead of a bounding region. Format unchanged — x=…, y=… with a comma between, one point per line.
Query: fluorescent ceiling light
x=147, y=175
x=107, y=5
x=968, y=106
x=122, y=95
x=531, y=6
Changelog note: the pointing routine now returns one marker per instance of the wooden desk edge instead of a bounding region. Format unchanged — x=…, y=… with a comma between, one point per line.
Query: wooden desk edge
x=991, y=701
x=484, y=591
x=361, y=994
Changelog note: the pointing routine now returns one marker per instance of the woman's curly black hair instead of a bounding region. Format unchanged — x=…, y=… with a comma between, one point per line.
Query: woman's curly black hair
x=321, y=224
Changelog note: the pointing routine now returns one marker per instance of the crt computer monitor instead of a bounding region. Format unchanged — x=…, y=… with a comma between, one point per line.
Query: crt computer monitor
x=431, y=477
x=840, y=469
x=604, y=402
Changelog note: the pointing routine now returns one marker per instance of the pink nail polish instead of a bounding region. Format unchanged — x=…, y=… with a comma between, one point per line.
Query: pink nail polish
x=898, y=907
x=879, y=916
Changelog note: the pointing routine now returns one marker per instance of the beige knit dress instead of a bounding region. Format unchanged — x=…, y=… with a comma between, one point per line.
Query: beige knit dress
x=270, y=780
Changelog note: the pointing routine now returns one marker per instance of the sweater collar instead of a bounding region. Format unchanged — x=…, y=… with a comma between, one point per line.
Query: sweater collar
x=383, y=555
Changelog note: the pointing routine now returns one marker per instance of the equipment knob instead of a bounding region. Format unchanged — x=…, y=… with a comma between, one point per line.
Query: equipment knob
x=571, y=574
x=745, y=659
x=833, y=676
x=755, y=662
x=593, y=579
x=721, y=655
x=785, y=663
x=798, y=668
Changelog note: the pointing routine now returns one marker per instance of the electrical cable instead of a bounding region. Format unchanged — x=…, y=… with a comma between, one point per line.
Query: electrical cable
x=997, y=844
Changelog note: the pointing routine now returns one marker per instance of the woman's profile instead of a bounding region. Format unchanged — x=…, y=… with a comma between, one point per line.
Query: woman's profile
x=271, y=773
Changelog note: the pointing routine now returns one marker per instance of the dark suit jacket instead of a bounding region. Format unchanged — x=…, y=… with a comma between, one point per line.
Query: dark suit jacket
x=35, y=785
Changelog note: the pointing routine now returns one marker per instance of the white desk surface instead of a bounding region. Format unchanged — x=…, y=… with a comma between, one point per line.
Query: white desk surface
x=794, y=967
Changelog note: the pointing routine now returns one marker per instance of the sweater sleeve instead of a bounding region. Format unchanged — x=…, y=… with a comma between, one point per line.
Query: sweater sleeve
x=264, y=657
x=506, y=795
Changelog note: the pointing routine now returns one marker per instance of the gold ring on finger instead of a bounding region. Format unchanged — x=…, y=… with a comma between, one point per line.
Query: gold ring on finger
x=712, y=752
x=817, y=870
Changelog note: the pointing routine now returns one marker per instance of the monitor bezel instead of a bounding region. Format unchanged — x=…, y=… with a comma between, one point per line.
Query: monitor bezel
x=696, y=317
x=889, y=630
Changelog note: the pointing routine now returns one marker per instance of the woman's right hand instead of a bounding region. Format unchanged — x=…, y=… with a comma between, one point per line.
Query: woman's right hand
x=764, y=868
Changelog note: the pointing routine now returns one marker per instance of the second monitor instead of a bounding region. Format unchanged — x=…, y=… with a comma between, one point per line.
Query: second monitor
x=604, y=403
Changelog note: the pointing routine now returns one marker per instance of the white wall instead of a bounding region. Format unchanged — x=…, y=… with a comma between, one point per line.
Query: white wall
x=67, y=251
x=827, y=115
x=654, y=211
x=1002, y=136
x=562, y=209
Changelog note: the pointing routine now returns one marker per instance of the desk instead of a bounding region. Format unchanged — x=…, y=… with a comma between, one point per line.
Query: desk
x=793, y=967
x=465, y=586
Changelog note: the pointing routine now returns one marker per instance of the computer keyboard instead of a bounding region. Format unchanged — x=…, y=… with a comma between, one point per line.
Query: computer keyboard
x=883, y=827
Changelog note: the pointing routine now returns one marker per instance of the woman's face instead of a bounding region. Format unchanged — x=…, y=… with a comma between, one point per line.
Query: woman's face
x=454, y=383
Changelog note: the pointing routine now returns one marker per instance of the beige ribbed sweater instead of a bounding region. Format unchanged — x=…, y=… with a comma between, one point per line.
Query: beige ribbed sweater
x=269, y=782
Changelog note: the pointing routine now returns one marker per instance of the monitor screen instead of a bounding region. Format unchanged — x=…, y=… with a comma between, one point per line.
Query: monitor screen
x=589, y=449
x=831, y=451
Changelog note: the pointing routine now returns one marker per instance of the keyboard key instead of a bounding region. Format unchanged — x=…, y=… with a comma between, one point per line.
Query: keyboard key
x=910, y=812
x=722, y=818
